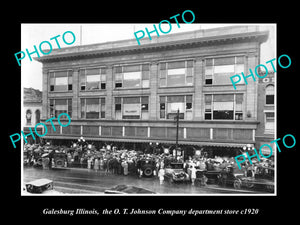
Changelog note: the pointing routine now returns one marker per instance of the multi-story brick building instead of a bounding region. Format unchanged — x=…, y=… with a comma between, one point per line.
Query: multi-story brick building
x=122, y=92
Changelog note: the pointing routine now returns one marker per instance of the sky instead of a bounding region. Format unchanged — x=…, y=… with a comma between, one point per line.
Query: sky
x=34, y=34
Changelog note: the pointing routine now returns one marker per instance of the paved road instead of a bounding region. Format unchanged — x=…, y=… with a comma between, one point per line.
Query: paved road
x=83, y=181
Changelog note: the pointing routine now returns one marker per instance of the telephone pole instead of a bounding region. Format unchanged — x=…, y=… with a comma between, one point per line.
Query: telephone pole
x=177, y=126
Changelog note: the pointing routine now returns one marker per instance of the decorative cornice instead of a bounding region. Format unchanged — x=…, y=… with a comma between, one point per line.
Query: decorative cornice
x=170, y=45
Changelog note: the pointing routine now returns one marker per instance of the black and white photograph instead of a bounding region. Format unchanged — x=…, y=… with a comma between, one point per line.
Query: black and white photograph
x=149, y=109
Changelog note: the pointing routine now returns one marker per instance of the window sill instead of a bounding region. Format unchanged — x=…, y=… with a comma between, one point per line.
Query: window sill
x=61, y=91
x=132, y=88
x=180, y=86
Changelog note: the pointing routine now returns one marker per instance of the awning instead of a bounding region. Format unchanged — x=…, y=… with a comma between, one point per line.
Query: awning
x=136, y=140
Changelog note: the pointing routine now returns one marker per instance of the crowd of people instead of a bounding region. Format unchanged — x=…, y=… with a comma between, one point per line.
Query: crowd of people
x=128, y=162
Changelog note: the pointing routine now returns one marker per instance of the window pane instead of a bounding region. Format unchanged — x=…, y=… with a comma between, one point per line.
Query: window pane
x=175, y=65
x=145, y=99
x=145, y=83
x=224, y=61
x=270, y=99
x=239, y=98
x=223, y=98
x=208, y=62
x=61, y=74
x=223, y=105
x=94, y=71
x=178, y=98
x=132, y=76
x=240, y=60
x=92, y=78
x=189, y=98
x=131, y=83
x=224, y=69
x=117, y=100
x=224, y=115
x=190, y=63
x=130, y=100
x=61, y=80
x=176, y=80
x=133, y=68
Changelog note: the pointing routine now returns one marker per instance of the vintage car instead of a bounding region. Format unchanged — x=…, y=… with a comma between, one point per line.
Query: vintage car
x=147, y=165
x=59, y=160
x=174, y=173
x=127, y=189
x=263, y=180
x=40, y=186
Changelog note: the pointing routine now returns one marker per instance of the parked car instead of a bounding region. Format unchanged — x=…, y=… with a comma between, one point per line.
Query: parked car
x=147, y=165
x=127, y=189
x=59, y=160
x=175, y=173
x=263, y=180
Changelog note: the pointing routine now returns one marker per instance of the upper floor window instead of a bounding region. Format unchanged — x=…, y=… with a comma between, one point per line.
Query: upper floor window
x=28, y=117
x=223, y=107
x=92, y=108
x=58, y=106
x=169, y=106
x=132, y=76
x=92, y=79
x=132, y=107
x=61, y=80
x=179, y=73
x=270, y=94
x=219, y=70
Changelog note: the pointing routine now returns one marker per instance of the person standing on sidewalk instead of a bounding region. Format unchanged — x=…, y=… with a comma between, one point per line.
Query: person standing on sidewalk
x=96, y=165
x=161, y=175
x=193, y=175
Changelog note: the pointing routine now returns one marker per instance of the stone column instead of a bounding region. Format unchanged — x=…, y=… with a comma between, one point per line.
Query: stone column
x=45, y=89
x=109, y=101
x=154, y=85
x=198, y=107
x=75, y=98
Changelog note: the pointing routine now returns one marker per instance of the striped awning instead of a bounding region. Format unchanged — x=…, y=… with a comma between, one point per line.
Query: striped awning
x=136, y=140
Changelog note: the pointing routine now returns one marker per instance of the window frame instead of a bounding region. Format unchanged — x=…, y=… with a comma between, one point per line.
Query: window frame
x=69, y=85
x=163, y=76
x=209, y=115
x=100, y=106
x=210, y=81
x=144, y=70
x=101, y=81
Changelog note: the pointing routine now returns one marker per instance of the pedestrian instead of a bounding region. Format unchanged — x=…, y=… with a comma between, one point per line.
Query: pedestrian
x=96, y=165
x=193, y=175
x=101, y=163
x=89, y=163
x=125, y=168
x=161, y=175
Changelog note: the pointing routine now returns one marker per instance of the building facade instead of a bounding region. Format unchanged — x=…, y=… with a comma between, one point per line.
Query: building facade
x=266, y=112
x=122, y=92
x=32, y=110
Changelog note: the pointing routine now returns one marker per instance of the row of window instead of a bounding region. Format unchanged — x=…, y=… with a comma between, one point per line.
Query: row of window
x=171, y=74
x=217, y=107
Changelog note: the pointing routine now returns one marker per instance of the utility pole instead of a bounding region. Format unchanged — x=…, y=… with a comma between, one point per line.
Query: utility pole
x=177, y=126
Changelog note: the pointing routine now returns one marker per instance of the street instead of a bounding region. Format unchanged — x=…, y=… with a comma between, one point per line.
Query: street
x=82, y=181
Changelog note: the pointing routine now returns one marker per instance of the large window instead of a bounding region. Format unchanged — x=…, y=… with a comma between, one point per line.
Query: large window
x=269, y=122
x=132, y=76
x=92, y=108
x=169, y=105
x=219, y=70
x=58, y=106
x=270, y=95
x=223, y=107
x=132, y=107
x=61, y=80
x=179, y=73
x=92, y=79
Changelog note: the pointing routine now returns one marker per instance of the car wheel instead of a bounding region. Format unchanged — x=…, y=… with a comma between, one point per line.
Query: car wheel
x=148, y=172
x=59, y=163
x=237, y=184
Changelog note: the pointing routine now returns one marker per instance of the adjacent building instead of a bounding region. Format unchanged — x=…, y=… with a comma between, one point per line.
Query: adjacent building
x=32, y=108
x=121, y=92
